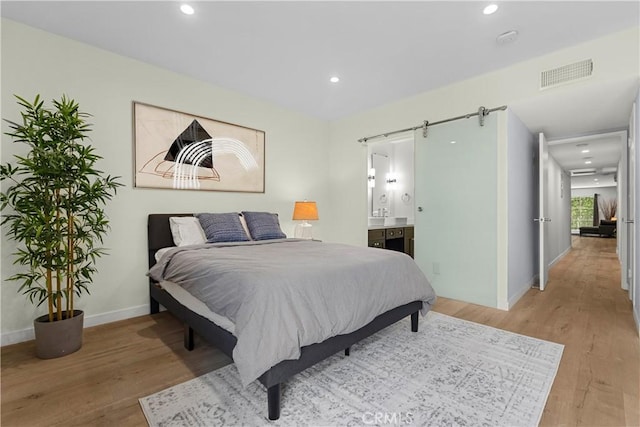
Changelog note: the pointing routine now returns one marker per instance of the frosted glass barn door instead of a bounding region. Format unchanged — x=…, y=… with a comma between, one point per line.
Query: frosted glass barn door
x=456, y=208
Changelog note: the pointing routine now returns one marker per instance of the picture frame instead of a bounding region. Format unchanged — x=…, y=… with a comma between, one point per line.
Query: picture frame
x=182, y=151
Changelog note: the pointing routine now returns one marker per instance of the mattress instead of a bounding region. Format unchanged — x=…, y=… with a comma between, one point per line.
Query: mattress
x=284, y=294
x=197, y=306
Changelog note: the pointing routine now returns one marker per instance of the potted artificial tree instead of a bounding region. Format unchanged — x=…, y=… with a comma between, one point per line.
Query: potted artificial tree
x=55, y=199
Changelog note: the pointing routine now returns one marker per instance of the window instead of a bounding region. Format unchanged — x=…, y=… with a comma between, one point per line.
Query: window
x=581, y=212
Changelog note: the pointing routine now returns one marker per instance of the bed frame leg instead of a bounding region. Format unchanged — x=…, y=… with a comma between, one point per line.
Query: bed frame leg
x=154, y=306
x=188, y=337
x=347, y=351
x=273, y=401
x=414, y=322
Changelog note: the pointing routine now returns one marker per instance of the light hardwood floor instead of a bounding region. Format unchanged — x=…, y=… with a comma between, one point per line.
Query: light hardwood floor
x=583, y=308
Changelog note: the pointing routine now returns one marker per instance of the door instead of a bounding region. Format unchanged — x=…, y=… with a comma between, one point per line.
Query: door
x=631, y=200
x=456, y=218
x=543, y=211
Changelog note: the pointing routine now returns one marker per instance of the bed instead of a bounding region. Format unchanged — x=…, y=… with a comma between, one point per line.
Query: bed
x=249, y=345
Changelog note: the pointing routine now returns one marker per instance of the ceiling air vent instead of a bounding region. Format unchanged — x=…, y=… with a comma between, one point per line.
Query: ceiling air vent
x=566, y=74
x=583, y=172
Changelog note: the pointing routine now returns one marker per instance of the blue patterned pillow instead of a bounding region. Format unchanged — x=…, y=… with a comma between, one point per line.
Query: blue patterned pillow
x=263, y=225
x=222, y=227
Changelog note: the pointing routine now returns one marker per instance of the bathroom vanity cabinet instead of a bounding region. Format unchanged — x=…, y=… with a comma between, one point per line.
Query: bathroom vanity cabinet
x=394, y=238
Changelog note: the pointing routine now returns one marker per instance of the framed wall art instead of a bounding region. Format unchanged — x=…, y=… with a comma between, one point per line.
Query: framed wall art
x=182, y=151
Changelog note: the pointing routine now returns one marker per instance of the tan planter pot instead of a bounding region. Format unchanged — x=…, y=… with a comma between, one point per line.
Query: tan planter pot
x=59, y=338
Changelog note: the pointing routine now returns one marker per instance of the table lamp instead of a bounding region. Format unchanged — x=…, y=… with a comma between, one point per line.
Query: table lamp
x=304, y=211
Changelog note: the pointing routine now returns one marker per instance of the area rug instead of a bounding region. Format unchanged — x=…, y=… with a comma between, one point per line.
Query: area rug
x=451, y=373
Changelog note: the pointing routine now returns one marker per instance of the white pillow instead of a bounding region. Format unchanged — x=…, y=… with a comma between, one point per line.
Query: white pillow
x=244, y=226
x=186, y=230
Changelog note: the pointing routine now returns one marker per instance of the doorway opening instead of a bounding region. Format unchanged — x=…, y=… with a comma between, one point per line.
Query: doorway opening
x=597, y=166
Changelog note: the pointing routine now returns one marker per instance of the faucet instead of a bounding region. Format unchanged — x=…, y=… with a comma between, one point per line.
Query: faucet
x=385, y=212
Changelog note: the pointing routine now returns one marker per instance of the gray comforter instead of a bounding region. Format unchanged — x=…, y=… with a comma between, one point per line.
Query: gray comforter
x=285, y=294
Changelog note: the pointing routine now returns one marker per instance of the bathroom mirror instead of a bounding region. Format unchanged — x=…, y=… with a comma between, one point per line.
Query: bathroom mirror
x=380, y=200
x=391, y=158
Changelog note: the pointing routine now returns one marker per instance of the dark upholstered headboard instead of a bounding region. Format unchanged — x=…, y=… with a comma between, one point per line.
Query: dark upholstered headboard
x=159, y=233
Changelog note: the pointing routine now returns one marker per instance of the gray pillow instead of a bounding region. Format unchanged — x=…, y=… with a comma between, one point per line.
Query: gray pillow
x=263, y=225
x=222, y=227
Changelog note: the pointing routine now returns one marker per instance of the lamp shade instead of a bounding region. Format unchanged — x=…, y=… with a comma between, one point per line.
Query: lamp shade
x=305, y=211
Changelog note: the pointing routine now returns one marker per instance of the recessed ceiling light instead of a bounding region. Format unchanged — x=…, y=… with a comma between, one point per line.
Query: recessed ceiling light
x=588, y=162
x=334, y=79
x=453, y=142
x=595, y=179
x=490, y=9
x=585, y=151
x=187, y=9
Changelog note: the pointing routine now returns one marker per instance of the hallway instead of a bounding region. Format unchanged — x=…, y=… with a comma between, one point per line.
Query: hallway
x=584, y=308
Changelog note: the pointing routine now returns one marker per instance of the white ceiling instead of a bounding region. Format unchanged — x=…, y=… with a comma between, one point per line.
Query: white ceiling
x=285, y=52
x=604, y=151
x=570, y=154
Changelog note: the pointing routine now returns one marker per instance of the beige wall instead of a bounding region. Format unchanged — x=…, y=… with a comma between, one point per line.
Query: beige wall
x=105, y=85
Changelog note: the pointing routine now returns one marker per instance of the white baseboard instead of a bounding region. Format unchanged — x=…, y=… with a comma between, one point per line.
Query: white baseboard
x=15, y=337
x=559, y=257
x=536, y=279
x=520, y=292
x=503, y=306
